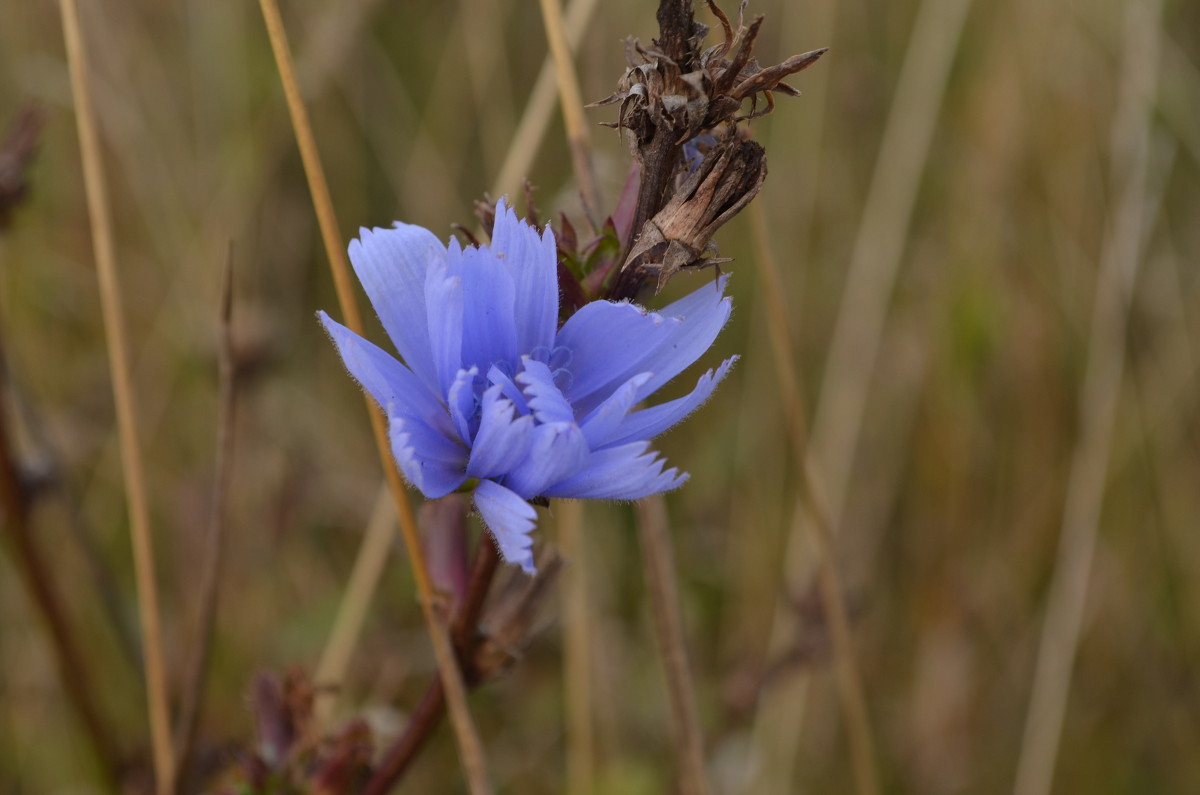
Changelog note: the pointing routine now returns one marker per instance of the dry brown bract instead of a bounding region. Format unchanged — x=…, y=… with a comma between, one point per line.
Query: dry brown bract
x=672, y=92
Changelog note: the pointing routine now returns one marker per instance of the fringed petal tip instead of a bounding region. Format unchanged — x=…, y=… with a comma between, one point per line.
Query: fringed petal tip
x=434, y=464
x=510, y=519
x=625, y=472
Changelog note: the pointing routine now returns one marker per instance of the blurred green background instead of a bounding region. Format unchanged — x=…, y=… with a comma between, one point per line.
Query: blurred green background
x=950, y=491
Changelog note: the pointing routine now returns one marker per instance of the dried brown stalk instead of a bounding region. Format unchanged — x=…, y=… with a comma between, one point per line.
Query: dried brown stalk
x=99, y=215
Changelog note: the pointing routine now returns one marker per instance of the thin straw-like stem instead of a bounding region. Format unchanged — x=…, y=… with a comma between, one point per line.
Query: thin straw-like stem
x=663, y=589
x=1120, y=258
x=862, y=313
x=352, y=612
x=879, y=245
x=464, y=631
x=531, y=129
x=123, y=398
x=489, y=71
x=571, y=100
x=577, y=650
x=365, y=576
x=469, y=746
x=210, y=572
x=850, y=688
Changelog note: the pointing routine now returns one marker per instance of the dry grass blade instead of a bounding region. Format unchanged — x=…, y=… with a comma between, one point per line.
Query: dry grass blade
x=880, y=243
x=210, y=571
x=577, y=650
x=352, y=612
x=874, y=263
x=571, y=100
x=1098, y=397
x=536, y=118
x=662, y=586
x=854, y=703
x=122, y=384
x=470, y=748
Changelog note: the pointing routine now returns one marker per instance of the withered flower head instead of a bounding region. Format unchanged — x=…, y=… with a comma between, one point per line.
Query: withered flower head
x=673, y=92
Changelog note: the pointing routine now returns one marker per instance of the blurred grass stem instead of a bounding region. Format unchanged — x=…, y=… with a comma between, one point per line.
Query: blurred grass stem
x=531, y=129
x=1098, y=398
x=578, y=627
x=135, y=485
x=875, y=260
x=880, y=244
x=849, y=677
x=425, y=718
x=663, y=589
x=470, y=748
x=571, y=100
x=372, y=556
x=210, y=572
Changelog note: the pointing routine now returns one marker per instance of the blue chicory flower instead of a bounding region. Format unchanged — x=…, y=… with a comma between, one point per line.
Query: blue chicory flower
x=493, y=397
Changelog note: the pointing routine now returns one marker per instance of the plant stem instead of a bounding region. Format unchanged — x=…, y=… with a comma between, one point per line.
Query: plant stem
x=570, y=99
x=123, y=397
x=431, y=707
x=1121, y=257
x=469, y=746
x=663, y=588
x=577, y=651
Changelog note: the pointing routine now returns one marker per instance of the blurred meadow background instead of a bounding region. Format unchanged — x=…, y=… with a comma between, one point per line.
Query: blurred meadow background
x=986, y=218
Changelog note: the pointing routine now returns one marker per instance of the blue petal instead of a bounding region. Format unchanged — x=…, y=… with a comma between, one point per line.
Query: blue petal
x=510, y=520
x=391, y=265
x=648, y=423
x=544, y=398
x=489, y=298
x=444, y=301
x=558, y=452
x=629, y=472
x=608, y=416
x=498, y=377
x=385, y=379
x=433, y=463
x=704, y=313
x=604, y=338
x=613, y=342
x=503, y=439
x=460, y=399
x=532, y=262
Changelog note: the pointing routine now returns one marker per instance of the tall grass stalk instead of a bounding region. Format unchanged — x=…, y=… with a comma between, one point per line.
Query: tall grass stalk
x=880, y=244
x=539, y=109
x=869, y=280
x=658, y=562
x=571, y=103
x=373, y=556
x=850, y=690
x=1098, y=397
x=578, y=650
x=123, y=398
x=470, y=748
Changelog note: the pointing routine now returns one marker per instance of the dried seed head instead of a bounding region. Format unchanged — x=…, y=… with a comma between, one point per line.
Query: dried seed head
x=672, y=84
x=680, y=235
x=673, y=95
